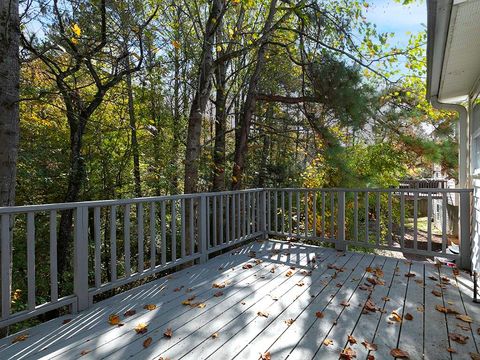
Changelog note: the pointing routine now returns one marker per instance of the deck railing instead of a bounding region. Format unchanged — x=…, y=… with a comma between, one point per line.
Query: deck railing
x=118, y=242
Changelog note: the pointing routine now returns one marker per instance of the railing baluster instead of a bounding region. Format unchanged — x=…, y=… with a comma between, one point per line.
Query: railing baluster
x=390, y=225
x=53, y=256
x=314, y=213
x=415, y=220
x=163, y=247
x=233, y=218
x=173, y=230
x=214, y=199
x=367, y=213
x=377, y=215
x=355, y=216
x=192, y=226
x=31, y=259
x=141, y=238
x=98, y=245
x=269, y=212
x=275, y=211
x=249, y=218
x=323, y=214
x=126, y=240
x=283, y=211
x=153, y=237
x=402, y=220
x=306, y=214
x=429, y=221
x=5, y=265
x=221, y=219
x=332, y=216
x=184, y=229
x=207, y=222
x=244, y=214
x=227, y=219
x=290, y=211
x=298, y=213
x=239, y=217
x=113, y=243
x=80, y=263
x=444, y=222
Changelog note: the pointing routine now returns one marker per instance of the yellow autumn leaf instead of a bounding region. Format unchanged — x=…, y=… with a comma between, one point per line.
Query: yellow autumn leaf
x=76, y=30
x=114, y=319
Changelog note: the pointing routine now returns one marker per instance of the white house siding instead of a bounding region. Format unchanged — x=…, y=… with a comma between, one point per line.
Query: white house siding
x=475, y=118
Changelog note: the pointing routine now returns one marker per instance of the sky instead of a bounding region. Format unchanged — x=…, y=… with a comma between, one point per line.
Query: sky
x=391, y=16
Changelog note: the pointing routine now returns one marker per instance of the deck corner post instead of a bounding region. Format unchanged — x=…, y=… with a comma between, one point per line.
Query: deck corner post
x=202, y=236
x=465, y=232
x=340, y=244
x=263, y=213
x=80, y=270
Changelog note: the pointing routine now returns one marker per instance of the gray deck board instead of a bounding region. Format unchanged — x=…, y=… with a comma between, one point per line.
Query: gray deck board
x=243, y=334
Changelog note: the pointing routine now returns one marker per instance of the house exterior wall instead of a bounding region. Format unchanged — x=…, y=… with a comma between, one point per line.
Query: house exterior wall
x=475, y=181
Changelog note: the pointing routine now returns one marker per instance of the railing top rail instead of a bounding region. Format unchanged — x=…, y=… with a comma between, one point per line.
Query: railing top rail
x=100, y=203
x=393, y=190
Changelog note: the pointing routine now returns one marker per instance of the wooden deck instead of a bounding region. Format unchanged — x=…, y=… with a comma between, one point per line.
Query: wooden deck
x=295, y=301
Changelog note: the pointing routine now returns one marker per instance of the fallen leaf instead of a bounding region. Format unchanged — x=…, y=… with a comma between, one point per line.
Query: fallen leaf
x=289, y=273
x=370, y=306
x=436, y=293
x=408, y=316
x=300, y=283
x=66, y=321
x=319, y=314
x=141, y=328
x=272, y=270
x=214, y=335
x=445, y=280
x=370, y=357
x=351, y=339
x=18, y=338
x=451, y=350
x=348, y=354
x=475, y=356
x=84, y=352
x=218, y=286
x=375, y=281
x=266, y=356
x=147, y=342
x=369, y=346
x=289, y=322
x=461, y=339
x=327, y=342
x=263, y=313
x=398, y=353
x=201, y=305
x=218, y=294
x=129, y=313
x=178, y=289
x=410, y=274
x=464, y=327
x=445, y=310
x=465, y=318
x=258, y=261
x=394, y=316
x=456, y=272
x=247, y=266
x=345, y=303
x=385, y=298
x=420, y=308
x=168, y=333
x=114, y=319
x=150, y=307
x=431, y=277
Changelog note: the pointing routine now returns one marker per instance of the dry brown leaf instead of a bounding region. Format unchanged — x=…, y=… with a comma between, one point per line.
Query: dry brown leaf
x=289, y=273
x=368, y=269
x=300, y=283
x=369, y=346
x=394, y=316
x=168, y=333
x=475, y=356
x=451, y=350
x=66, y=321
x=258, y=261
x=289, y=322
x=385, y=298
x=410, y=274
x=375, y=281
x=150, y=307
x=408, y=316
x=464, y=327
x=351, y=339
x=319, y=314
x=218, y=294
x=436, y=293
x=434, y=278
x=327, y=342
x=445, y=310
x=141, y=328
x=445, y=280
x=398, y=353
x=130, y=313
x=465, y=318
x=147, y=342
x=348, y=354
x=461, y=339
x=420, y=308
x=214, y=335
x=114, y=319
x=201, y=305
x=247, y=266
x=456, y=272
x=178, y=289
x=263, y=313
x=370, y=306
x=306, y=273
x=266, y=356
x=218, y=286
x=370, y=357
x=84, y=352
x=272, y=270
x=21, y=337
x=345, y=303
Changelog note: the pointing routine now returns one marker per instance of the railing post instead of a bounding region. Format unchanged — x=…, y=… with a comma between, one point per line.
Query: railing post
x=5, y=262
x=340, y=241
x=465, y=232
x=80, y=270
x=202, y=236
x=263, y=213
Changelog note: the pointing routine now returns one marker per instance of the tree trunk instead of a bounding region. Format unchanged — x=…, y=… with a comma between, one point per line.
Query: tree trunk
x=9, y=112
x=133, y=131
x=176, y=111
x=241, y=140
x=200, y=99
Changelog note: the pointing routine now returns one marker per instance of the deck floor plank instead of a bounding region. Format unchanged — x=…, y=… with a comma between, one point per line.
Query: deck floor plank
x=243, y=334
